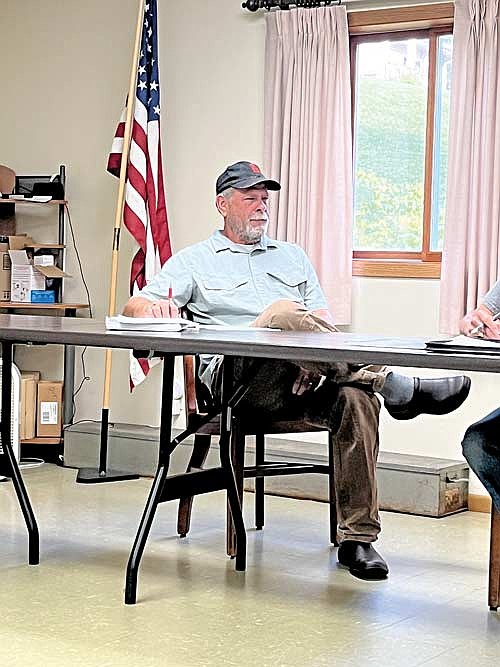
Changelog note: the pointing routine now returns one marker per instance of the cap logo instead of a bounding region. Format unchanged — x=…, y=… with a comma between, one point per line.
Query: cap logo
x=254, y=168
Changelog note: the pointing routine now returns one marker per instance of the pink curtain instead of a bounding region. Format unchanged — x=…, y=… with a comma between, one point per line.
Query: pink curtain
x=472, y=244
x=308, y=144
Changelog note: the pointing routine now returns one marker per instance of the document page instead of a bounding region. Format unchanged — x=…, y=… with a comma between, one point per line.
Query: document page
x=124, y=323
x=467, y=343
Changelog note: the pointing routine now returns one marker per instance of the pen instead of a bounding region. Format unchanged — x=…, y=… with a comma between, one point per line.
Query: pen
x=480, y=327
x=170, y=302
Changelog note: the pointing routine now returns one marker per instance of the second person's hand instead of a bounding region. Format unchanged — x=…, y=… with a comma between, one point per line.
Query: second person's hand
x=480, y=317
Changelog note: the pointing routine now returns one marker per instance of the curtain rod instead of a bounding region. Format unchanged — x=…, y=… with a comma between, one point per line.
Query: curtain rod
x=254, y=5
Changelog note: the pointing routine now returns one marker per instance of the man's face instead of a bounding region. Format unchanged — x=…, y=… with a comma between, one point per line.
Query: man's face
x=246, y=214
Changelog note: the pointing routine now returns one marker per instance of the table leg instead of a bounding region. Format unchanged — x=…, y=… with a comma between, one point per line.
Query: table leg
x=142, y=535
x=154, y=497
x=8, y=463
x=226, y=463
x=69, y=376
x=494, y=580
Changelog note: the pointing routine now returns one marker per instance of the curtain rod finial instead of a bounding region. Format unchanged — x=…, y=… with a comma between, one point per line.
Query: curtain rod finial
x=251, y=5
x=254, y=5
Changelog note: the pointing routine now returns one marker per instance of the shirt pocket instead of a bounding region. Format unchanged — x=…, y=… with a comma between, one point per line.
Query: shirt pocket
x=222, y=283
x=221, y=295
x=285, y=284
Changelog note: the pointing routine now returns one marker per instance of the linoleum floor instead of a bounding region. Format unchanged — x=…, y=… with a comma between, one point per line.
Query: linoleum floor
x=293, y=607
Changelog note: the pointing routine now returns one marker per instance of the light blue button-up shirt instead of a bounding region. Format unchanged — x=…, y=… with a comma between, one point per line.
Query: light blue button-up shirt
x=492, y=298
x=222, y=282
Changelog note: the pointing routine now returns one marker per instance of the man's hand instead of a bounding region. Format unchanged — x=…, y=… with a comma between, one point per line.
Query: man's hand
x=484, y=316
x=306, y=381
x=138, y=306
x=163, y=308
x=325, y=315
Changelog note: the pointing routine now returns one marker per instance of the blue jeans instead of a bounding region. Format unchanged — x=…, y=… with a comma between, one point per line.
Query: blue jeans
x=481, y=448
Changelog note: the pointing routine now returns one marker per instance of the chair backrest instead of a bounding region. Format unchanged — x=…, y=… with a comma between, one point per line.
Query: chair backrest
x=198, y=399
x=7, y=179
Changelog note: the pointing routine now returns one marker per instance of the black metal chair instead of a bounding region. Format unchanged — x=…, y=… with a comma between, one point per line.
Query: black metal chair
x=198, y=404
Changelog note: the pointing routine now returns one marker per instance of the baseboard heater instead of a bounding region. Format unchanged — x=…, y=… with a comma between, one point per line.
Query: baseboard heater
x=407, y=483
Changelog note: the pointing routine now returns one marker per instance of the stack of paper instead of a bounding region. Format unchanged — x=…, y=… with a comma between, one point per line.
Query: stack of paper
x=124, y=323
x=37, y=198
x=465, y=344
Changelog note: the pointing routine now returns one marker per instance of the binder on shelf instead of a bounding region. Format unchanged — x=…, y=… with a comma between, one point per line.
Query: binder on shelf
x=4, y=271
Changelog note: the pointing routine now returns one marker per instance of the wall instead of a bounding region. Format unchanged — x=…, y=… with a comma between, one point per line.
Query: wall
x=64, y=92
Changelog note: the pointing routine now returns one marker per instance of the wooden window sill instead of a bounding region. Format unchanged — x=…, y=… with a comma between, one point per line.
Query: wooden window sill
x=363, y=22
x=395, y=268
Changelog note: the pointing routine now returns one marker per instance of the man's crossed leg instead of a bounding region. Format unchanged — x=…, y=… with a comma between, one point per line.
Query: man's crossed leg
x=341, y=397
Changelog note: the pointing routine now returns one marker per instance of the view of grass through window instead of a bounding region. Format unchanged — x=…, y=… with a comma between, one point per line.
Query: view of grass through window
x=440, y=153
x=390, y=143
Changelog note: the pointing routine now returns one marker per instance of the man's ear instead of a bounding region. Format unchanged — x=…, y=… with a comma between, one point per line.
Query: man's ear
x=221, y=205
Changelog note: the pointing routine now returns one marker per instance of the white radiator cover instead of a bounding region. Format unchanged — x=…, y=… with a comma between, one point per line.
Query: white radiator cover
x=15, y=409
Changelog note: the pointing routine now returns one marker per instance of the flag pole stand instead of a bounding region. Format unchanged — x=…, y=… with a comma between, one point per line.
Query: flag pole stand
x=102, y=474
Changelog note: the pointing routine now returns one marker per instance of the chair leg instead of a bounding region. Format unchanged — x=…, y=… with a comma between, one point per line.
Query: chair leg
x=259, y=481
x=201, y=448
x=494, y=582
x=238, y=459
x=332, y=494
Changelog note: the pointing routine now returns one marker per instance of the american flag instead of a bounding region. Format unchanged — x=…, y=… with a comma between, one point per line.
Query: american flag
x=145, y=213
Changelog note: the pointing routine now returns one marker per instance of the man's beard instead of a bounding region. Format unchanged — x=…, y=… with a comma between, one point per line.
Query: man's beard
x=247, y=233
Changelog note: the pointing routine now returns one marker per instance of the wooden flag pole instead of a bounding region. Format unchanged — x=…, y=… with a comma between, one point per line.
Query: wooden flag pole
x=90, y=475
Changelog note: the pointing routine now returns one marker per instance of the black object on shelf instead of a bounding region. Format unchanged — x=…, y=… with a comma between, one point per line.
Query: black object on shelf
x=54, y=189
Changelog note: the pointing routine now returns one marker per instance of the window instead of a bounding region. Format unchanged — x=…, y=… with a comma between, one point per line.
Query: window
x=401, y=94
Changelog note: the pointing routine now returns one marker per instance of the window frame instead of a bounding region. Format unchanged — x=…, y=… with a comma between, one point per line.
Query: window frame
x=429, y=21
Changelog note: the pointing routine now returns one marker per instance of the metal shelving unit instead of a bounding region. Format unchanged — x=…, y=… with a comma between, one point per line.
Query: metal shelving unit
x=25, y=185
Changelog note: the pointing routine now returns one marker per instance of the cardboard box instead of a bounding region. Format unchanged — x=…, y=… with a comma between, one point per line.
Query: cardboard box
x=26, y=278
x=12, y=243
x=52, y=271
x=29, y=380
x=49, y=409
x=17, y=242
x=36, y=375
x=4, y=272
x=22, y=412
x=20, y=241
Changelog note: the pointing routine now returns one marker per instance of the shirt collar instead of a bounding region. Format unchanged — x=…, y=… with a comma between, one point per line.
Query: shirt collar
x=221, y=242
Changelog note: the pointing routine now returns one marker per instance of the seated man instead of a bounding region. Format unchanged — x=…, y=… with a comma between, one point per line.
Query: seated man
x=241, y=277
x=481, y=443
